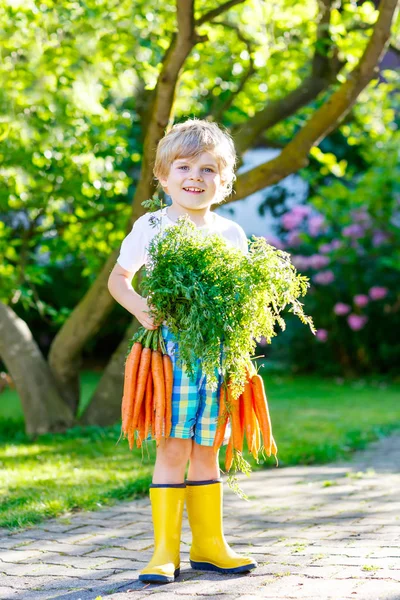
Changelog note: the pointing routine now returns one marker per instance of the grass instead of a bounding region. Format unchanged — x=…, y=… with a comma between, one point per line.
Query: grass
x=370, y=568
x=315, y=421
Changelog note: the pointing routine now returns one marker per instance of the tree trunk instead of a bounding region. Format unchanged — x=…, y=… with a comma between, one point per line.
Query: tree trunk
x=88, y=316
x=105, y=406
x=43, y=407
x=85, y=321
x=294, y=156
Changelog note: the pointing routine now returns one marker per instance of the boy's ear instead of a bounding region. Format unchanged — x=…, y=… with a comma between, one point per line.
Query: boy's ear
x=163, y=182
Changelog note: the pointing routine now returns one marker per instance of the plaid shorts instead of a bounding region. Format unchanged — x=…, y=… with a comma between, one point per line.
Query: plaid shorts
x=194, y=406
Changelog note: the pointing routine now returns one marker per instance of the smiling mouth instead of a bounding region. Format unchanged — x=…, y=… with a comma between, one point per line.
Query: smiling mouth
x=192, y=190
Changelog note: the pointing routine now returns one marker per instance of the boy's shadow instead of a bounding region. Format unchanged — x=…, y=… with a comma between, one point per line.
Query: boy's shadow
x=189, y=574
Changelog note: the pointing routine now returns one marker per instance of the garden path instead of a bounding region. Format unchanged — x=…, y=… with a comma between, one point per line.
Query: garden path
x=317, y=532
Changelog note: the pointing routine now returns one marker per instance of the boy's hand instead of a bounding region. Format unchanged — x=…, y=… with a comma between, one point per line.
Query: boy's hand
x=142, y=313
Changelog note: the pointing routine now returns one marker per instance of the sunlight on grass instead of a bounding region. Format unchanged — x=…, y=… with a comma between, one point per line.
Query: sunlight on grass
x=314, y=421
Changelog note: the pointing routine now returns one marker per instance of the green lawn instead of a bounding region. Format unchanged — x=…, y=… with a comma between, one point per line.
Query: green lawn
x=314, y=421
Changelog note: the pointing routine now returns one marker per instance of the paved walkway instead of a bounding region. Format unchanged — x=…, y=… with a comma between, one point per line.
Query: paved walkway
x=318, y=533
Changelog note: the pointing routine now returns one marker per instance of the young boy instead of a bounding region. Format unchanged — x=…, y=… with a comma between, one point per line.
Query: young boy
x=195, y=166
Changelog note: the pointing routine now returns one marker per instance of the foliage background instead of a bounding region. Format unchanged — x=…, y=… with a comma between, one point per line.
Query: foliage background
x=74, y=82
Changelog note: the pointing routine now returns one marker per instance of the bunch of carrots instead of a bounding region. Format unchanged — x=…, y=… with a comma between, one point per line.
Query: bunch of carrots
x=147, y=397
x=249, y=416
x=147, y=403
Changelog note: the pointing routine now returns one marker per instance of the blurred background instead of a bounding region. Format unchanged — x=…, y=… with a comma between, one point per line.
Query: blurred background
x=310, y=93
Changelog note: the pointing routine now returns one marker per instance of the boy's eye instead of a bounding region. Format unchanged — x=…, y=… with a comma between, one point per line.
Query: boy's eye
x=205, y=169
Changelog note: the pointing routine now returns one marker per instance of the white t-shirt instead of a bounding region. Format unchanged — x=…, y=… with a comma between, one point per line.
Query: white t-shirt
x=134, y=248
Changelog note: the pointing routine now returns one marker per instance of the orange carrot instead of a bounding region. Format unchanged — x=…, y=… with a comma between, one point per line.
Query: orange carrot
x=153, y=417
x=131, y=438
x=256, y=441
x=274, y=448
x=148, y=404
x=140, y=427
x=248, y=422
x=169, y=382
x=262, y=412
x=143, y=371
x=235, y=420
x=131, y=369
x=241, y=421
x=159, y=393
x=222, y=419
x=229, y=454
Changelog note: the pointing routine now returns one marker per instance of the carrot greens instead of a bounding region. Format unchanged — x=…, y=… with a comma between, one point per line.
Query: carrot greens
x=213, y=296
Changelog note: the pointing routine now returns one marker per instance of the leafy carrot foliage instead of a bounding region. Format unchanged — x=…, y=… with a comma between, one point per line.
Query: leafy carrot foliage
x=213, y=296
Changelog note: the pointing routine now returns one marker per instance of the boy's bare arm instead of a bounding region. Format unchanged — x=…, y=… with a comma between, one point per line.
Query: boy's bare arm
x=120, y=288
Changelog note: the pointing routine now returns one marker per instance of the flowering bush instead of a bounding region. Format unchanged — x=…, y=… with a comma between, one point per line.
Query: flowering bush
x=347, y=241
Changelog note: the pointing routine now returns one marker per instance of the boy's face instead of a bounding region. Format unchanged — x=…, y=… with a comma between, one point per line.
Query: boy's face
x=201, y=173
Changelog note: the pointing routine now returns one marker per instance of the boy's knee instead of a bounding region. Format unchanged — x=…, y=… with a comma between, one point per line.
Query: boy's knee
x=203, y=452
x=175, y=450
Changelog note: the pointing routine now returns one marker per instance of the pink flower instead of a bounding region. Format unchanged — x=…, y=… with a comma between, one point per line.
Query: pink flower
x=302, y=210
x=300, y=262
x=263, y=341
x=379, y=238
x=356, y=322
x=315, y=225
x=324, y=277
x=361, y=300
x=354, y=231
x=290, y=220
x=293, y=238
x=317, y=261
x=275, y=241
x=341, y=309
x=336, y=244
x=321, y=335
x=377, y=292
x=361, y=216
x=325, y=248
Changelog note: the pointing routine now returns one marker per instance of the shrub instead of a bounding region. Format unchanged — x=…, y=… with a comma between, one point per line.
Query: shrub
x=347, y=241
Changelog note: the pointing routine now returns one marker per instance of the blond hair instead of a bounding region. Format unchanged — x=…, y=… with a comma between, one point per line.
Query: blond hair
x=190, y=139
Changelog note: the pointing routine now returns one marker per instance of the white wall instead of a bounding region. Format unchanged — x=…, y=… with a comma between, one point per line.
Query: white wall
x=246, y=211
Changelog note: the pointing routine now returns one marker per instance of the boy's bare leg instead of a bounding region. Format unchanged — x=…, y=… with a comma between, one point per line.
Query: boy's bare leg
x=172, y=457
x=203, y=463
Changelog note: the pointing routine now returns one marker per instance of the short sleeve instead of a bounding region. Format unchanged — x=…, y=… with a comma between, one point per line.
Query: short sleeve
x=132, y=255
x=244, y=246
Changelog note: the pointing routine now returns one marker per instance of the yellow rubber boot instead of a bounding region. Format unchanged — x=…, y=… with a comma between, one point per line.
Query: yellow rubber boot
x=167, y=501
x=209, y=550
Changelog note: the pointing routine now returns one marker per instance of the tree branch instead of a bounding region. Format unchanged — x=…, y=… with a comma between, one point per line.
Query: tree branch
x=181, y=44
x=218, y=113
x=324, y=69
x=215, y=12
x=92, y=311
x=327, y=117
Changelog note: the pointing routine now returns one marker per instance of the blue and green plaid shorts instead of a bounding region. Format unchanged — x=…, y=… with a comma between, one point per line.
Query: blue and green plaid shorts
x=194, y=406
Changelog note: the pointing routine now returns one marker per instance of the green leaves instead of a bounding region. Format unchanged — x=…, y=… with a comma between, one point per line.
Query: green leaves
x=212, y=295
x=154, y=203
